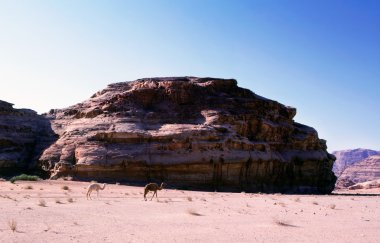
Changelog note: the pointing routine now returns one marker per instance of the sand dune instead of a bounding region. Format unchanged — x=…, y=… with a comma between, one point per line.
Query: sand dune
x=44, y=211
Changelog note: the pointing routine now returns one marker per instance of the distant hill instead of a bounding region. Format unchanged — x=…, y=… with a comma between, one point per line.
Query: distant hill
x=361, y=172
x=345, y=158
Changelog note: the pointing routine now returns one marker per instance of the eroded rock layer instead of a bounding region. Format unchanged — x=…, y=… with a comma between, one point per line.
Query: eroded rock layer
x=189, y=132
x=346, y=158
x=23, y=137
x=366, y=170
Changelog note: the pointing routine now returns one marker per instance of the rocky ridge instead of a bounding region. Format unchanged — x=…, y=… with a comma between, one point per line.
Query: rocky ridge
x=191, y=133
x=346, y=158
x=361, y=172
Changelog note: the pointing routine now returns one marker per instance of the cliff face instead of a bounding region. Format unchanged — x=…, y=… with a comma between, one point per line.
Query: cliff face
x=189, y=132
x=23, y=137
x=364, y=171
x=346, y=158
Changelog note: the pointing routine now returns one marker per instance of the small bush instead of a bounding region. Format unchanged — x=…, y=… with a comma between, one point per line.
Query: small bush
x=70, y=200
x=24, y=177
x=42, y=203
x=190, y=199
x=29, y=187
x=193, y=212
x=282, y=222
x=12, y=225
x=65, y=188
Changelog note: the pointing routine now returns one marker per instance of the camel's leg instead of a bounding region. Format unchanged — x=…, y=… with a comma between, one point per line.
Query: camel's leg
x=145, y=192
x=89, y=194
x=153, y=195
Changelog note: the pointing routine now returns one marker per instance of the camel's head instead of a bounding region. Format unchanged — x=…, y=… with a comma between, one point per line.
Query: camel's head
x=163, y=184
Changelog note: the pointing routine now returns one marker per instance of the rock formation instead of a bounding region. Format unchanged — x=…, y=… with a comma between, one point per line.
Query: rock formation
x=364, y=171
x=191, y=133
x=345, y=158
x=23, y=137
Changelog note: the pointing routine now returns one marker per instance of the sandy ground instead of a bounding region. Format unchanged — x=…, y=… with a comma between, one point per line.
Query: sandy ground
x=44, y=212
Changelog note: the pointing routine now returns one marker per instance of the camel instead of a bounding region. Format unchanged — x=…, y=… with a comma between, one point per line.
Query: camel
x=152, y=187
x=94, y=187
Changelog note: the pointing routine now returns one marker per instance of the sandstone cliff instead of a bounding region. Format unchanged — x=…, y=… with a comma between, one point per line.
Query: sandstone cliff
x=189, y=132
x=364, y=171
x=345, y=158
x=23, y=137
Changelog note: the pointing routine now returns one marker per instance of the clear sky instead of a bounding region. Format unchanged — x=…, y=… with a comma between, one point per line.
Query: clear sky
x=322, y=57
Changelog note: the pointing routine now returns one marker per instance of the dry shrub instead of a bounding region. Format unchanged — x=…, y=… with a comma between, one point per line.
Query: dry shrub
x=12, y=225
x=282, y=222
x=193, y=212
x=70, y=200
x=282, y=204
x=190, y=199
x=58, y=201
x=65, y=188
x=315, y=203
x=332, y=206
x=42, y=203
x=29, y=187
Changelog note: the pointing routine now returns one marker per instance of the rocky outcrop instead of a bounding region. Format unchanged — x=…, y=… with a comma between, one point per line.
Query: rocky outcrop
x=345, y=158
x=191, y=133
x=366, y=185
x=23, y=137
x=363, y=171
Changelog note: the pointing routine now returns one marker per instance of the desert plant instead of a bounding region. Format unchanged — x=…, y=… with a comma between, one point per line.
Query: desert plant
x=12, y=225
x=193, y=212
x=282, y=222
x=58, y=201
x=315, y=203
x=24, y=177
x=70, y=200
x=190, y=199
x=42, y=203
x=29, y=187
x=65, y=188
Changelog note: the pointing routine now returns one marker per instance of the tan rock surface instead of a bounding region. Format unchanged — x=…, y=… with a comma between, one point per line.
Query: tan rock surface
x=189, y=132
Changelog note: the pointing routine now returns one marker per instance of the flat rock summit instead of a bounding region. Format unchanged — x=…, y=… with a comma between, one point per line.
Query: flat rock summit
x=196, y=133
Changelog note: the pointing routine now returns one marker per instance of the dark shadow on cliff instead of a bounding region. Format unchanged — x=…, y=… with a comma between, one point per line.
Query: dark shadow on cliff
x=29, y=135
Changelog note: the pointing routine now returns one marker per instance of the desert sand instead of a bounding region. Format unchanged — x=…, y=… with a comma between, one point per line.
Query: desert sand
x=58, y=211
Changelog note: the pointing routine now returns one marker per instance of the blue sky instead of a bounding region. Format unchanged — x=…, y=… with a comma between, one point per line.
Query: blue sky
x=322, y=57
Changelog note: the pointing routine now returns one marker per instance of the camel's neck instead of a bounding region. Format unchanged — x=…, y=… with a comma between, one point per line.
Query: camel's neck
x=104, y=186
x=161, y=186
